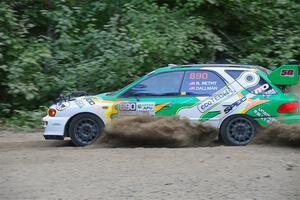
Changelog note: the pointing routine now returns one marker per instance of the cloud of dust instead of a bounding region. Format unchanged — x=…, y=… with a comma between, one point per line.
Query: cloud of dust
x=296, y=89
x=147, y=131
x=279, y=135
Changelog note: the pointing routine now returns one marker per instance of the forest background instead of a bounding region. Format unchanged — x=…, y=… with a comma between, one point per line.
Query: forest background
x=52, y=46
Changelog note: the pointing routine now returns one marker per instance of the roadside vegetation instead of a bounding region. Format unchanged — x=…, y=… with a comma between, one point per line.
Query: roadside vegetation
x=52, y=46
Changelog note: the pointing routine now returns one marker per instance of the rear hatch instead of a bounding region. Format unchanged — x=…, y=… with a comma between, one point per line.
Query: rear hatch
x=286, y=77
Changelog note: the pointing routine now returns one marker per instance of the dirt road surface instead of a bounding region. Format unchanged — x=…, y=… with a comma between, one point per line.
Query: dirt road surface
x=32, y=168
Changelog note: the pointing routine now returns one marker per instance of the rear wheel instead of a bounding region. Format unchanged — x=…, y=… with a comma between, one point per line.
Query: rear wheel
x=238, y=130
x=85, y=129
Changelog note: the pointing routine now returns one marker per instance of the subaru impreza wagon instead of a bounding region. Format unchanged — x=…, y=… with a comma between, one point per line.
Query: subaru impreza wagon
x=236, y=99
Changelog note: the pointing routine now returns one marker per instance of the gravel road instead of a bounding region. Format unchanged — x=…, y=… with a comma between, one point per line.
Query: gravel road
x=32, y=168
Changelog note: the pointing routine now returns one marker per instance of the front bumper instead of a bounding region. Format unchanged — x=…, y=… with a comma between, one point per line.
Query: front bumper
x=54, y=127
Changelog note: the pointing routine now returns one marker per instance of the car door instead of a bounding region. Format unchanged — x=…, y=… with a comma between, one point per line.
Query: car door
x=188, y=94
x=159, y=95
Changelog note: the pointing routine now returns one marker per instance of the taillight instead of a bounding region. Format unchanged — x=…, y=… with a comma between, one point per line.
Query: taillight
x=51, y=112
x=288, y=108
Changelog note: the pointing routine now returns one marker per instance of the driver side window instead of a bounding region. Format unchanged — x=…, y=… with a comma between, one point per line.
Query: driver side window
x=164, y=84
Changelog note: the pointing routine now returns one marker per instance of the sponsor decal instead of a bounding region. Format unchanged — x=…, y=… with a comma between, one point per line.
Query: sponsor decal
x=287, y=72
x=248, y=79
x=264, y=89
x=136, y=108
x=145, y=107
x=90, y=101
x=252, y=103
x=60, y=106
x=261, y=113
x=161, y=106
x=261, y=88
x=270, y=92
x=217, y=98
x=234, y=105
x=79, y=103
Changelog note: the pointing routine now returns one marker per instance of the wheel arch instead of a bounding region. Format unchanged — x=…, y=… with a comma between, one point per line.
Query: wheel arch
x=224, y=123
x=238, y=115
x=66, y=130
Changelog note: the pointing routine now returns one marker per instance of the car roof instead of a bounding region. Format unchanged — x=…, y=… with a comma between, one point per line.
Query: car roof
x=212, y=65
x=172, y=67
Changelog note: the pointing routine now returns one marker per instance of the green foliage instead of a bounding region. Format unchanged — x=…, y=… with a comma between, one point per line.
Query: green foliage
x=23, y=120
x=49, y=46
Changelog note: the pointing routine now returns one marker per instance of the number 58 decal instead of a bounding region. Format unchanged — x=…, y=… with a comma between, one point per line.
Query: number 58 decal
x=287, y=72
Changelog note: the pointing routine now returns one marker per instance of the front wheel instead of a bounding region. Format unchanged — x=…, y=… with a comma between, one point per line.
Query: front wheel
x=238, y=130
x=85, y=129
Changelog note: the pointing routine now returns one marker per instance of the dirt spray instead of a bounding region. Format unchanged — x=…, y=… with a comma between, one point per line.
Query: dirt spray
x=147, y=131
x=279, y=135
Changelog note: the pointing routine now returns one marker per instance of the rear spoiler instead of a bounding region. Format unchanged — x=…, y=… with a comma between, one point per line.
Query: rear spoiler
x=286, y=74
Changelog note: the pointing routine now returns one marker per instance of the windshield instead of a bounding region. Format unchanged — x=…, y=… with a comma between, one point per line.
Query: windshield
x=115, y=92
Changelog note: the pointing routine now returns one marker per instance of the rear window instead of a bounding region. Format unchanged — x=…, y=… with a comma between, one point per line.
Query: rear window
x=201, y=83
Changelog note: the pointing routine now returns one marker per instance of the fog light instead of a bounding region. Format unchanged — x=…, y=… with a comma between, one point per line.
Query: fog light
x=44, y=124
x=51, y=112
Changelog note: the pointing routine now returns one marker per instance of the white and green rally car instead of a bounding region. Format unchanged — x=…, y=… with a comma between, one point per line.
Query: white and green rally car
x=237, y=99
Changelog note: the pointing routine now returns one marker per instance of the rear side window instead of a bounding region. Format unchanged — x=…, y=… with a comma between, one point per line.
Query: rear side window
x=201, y=83
x=262, y=87
x=234, y=73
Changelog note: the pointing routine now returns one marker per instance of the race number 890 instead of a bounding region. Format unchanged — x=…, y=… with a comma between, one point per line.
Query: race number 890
x=127, y=106
x=198, y=75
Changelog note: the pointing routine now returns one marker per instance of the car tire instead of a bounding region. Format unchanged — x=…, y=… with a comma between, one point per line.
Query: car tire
x=85, y=129
x=238, y=130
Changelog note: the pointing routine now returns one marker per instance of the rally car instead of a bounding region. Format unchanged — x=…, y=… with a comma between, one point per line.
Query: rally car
x=236, y=99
